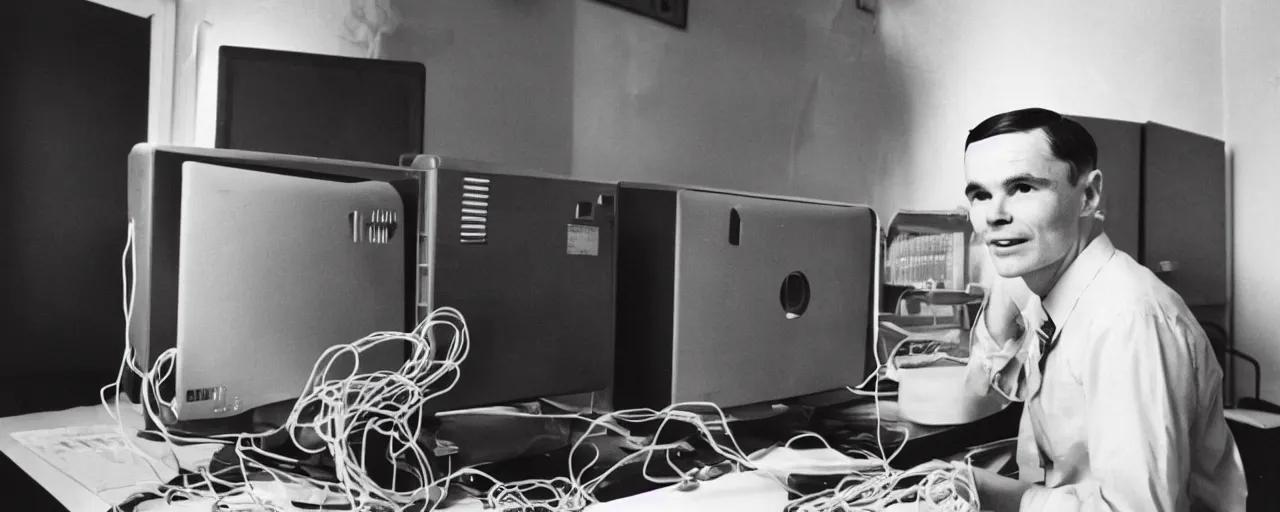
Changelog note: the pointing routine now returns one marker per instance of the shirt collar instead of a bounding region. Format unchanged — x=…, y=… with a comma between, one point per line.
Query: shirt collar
x=1064, y=295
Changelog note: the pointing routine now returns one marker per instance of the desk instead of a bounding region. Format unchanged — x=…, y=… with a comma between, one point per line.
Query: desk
x=742, y=491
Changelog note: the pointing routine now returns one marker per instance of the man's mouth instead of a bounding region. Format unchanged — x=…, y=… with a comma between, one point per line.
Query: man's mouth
x=1007, y=242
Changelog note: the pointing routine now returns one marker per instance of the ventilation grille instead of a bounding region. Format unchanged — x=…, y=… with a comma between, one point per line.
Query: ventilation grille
x=475, y=210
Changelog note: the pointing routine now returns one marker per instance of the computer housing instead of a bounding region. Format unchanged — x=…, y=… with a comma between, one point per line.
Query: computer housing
x=526, y=257
x=740, y=299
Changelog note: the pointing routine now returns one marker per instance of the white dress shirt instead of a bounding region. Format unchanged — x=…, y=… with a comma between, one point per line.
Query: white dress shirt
x=1128, y=413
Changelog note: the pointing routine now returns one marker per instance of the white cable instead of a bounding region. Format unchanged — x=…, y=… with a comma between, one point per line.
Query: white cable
x=349, y=408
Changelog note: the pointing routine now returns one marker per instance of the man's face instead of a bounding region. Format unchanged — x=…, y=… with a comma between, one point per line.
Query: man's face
x=1021, y=203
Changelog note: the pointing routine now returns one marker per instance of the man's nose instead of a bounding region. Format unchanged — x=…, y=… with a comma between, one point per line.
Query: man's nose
x=997, y=212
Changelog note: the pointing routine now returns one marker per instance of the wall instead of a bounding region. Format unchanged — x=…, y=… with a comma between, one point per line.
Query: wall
x=499, y=73
x=314, y=26
x=759, y=95
x=1251, y=72
x=499, y=77
x=815, y=99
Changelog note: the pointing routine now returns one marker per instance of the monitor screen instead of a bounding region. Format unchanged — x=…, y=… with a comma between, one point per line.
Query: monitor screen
x=345, y=108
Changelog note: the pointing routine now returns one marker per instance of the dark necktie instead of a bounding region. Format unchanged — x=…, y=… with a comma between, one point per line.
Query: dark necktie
x=1046, y=341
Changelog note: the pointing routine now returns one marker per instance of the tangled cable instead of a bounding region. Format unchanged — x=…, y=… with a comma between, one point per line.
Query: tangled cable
x=341, y=412
x=575, y=492
x=944, y=487
x=336, y=415
x=383, y=403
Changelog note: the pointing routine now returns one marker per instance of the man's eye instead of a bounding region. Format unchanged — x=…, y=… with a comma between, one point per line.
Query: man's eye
x=980, y=196
x=1022, y=188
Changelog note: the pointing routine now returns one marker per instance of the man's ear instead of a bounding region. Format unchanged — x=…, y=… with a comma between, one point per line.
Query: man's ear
x=1092, y=205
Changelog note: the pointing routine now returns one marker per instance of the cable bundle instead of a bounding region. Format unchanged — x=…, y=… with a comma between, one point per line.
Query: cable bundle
x=339, y=412
x=575, y=492
x=380, y=403
x=336, y=415
x=943, y=487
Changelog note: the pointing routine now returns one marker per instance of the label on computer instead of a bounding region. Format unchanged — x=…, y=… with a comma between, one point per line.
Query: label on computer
x=583, y=240
x=203, y=394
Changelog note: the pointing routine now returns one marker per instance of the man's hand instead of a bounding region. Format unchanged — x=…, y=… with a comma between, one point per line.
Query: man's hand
x=1003, y=312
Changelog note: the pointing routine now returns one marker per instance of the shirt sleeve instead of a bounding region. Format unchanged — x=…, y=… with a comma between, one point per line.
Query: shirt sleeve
x=1139, y=382
x=993, y=366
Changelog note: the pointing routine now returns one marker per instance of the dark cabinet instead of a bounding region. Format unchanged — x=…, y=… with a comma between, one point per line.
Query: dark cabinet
x=1165, y=198
x=73, y=102
x=1184, y=191
x=1120, y=159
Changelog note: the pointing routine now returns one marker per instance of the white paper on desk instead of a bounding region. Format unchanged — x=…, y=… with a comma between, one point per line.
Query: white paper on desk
x=1258, y=419
x=782, y=462
x=97, y=457
x=749, y=491
x=269, y=495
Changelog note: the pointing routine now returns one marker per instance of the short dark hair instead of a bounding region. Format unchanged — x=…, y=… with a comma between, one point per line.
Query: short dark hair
x=1068, y=141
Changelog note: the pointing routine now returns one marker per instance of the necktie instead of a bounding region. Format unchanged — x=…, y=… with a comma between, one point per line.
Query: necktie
x=1047, y=342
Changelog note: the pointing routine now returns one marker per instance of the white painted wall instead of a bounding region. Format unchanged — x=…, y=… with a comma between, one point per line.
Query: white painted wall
x=499, y=77
x=787, y=97
x=1137, y=60
x=812, y=98
x=1251, y=72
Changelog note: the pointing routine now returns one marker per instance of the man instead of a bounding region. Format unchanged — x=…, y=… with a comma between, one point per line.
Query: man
x=1122, y=392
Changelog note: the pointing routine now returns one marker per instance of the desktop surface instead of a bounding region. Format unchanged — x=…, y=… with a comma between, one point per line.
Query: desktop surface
x=751, y=490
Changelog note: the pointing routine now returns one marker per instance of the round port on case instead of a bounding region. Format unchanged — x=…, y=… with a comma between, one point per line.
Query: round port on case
x=794, y=295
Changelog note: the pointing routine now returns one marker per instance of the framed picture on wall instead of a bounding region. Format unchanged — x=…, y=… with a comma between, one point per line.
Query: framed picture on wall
x=670, y=12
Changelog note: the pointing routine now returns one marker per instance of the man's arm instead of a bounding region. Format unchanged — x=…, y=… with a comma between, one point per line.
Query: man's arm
x=1140, y=390
x=997, y=341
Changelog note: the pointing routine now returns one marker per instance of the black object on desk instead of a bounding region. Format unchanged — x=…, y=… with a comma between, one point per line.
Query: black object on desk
x=849, y=429
x=802, y=485
x=624, y=481
x=21, y=491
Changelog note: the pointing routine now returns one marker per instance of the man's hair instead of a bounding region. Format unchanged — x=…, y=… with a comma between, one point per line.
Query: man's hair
x=1068, y=141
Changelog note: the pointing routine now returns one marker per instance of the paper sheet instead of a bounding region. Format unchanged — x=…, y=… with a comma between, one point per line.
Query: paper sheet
x=783, y=462
x=1259, y=419
x=99, y=458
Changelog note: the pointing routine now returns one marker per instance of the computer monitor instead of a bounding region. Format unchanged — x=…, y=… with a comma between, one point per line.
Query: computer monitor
x=527, y=258
x=364, y=110
x=740, y=299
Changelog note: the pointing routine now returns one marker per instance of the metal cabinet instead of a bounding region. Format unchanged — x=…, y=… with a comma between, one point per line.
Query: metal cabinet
x=1165, y=198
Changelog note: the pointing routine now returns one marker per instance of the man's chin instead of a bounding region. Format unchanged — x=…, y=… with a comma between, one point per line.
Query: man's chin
x=1011, y=271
